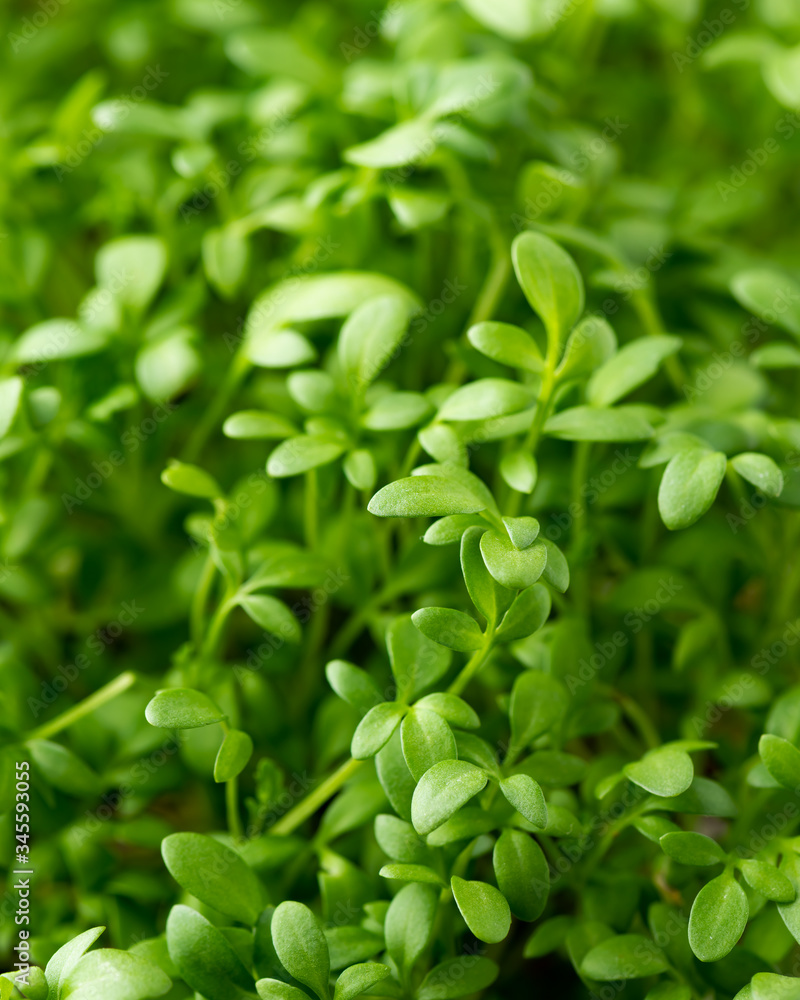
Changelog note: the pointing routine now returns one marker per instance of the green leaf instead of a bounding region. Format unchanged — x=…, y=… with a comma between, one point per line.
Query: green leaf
x=510, y=345
x=133, y=267
x=51, y=340
x=665, y=771
x=397, y=411
x=252, y=425
x=168, y=365
x=548, y=936
x=484, y=909
x=370, y=338
x=761, y=471
x=412, y=873
x=182, y=708
x=203, y=957
x=458, y=977
x=771, y=296
x=594, y=423
x=399, y=840
x=769, y=986
x=214, y=873
x=190, y=479
x=376, y=728
x=271, y=614
x=551, y=282
x=63, y=769
x=528, y=613
x=718, y=918
x=767, y=880
x=591, y=343
x=417, y=663
x=409, y=924
x=556, y=571
x=301, y=946
x=425, y=496
x=304, y=452
x=692, y=848
x=451, y=707
x=689, y=485
x=522, y=873
x=359, y=978
x=108, y=974
x=449, y=628
x=233, y=755
x=486, y=594
x=628, y=956
x=514, y=19
x=538, y=703
x=426, y=739
x=275, y=989
x=782, y=760
x=519, y=471
x=790, y=912
x=668, y=990
x=526, y=797
x=408, y=142
x=632, y=365
x=353, y=685
x=279, y=349
x=486, y=398
x=63, y=961
x=512, y=567
x=226, y=255
x=10, y=398
x=442, y=790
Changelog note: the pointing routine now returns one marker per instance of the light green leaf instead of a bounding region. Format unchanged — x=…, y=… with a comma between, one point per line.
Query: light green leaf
x=399, y=840
x=451, y=707
x=551, y=282
x=214, y=873
x=397, y=411
x=425, y=496
x=526, y=797
x=181, y=708
x=233, y=756
x=276, y=989
x=271, y=614
x=769, y=986
x=279, y=349
x=690, y=483
x=632, y=365
x=203, y=957
x=767, y=880
x=510, y=345
x=257, y=424
x=486, y=398
x=133, y=267
x=353, y=685
x=190, y=479
x=449, y=628
x=412, y=873
x=359, y=468
x=62, y=962
x=512, y=567
x=761, y=471
x=782, y=760
x=301, y=946
x=519, y=470
x=426, y=739
x=370, y=338
x=538, y=703
x=770, y=295
x=409, y=924
x=665, y=771
x=408, y=142
x=376, y=728
x=692, y=848
x=487, y=595
x=63, y=769
x=522, y=873
x=304, y=452
x=484, y=909
x=458, y=977
x=594, y=423
x=108, y=974
x=718, y=918
x=442, y=790
x=226, y=255
x=627, y=956
x=417, y=663
x=359, y=978
x=591, y=343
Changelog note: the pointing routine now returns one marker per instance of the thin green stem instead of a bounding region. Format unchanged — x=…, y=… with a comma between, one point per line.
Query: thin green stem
x=84, y=708
x=311, y=509
x=316, y=799
x=200, y=599
x=214, y=634
x=232, y=808
x=473, y=665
